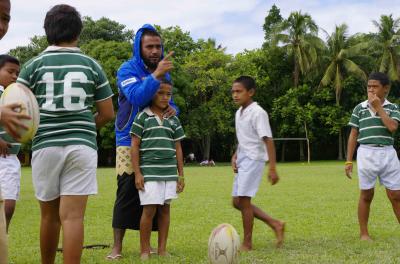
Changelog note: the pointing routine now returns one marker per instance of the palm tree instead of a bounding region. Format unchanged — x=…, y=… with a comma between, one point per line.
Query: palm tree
x=298, y=34
x=387, y=40
x=341, y=64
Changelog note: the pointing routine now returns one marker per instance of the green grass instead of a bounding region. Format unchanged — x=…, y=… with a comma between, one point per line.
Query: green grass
x=317, y=202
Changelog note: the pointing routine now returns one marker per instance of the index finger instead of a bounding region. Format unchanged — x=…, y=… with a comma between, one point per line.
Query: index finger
x=169, y=55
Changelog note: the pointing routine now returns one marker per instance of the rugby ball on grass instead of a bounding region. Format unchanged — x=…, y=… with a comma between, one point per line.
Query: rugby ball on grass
x=223, y=245
x=19, y=93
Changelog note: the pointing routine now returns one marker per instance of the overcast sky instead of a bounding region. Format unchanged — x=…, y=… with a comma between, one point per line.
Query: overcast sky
x=236, y=24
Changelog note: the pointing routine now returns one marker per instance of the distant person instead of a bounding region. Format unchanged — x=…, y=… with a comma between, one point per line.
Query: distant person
x=204, y=163
x=158, y=163
x=138, y=80
x=191, y=158
x=67, y=84
x=373, y=124
x=10, y=167
x=211, y=163
x=255, y=147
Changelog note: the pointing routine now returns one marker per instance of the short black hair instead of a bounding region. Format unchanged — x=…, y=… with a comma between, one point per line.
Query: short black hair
x=247, y=81
x=149, y=32
x=4, y=58
x=379, y=76
x=63, y=23
x=165, y=81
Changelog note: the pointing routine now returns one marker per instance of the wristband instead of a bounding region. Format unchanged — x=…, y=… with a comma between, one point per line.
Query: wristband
x=348, y=163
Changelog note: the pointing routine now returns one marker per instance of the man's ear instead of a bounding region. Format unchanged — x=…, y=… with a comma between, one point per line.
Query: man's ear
x=252, y=91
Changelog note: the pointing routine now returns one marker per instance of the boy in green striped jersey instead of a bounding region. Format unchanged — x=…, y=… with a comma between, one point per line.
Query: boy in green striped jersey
x=10, y=167
x=156, y=159
x=67, y=84
x=374, y=123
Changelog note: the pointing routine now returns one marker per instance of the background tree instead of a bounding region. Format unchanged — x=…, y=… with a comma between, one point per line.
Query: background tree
x=271, y=24
x=387, y=41
x=340, y=53
x=209, y=106
x=298, y=34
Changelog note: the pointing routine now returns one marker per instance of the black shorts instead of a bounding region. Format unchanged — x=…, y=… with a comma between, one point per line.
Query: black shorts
x=127, y=208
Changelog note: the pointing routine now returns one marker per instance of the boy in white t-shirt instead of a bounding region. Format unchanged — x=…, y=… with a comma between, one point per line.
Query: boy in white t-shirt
x=255, y=146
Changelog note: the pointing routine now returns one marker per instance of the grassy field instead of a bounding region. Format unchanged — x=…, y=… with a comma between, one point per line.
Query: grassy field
x=316, y=201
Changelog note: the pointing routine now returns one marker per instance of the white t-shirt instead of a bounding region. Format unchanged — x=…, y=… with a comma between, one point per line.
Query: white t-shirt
x=251, y=126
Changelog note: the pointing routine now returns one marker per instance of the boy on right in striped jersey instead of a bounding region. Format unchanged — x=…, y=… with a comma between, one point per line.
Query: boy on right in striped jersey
x=374, y=123
x=157, y=162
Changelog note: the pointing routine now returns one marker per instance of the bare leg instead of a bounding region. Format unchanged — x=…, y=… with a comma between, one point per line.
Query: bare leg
x=146, y=222
x=277, y=226
x=163, y=228
x=243, y=204
x=72, y=211
x=364, y=204
x=394, y=197
x=49, y=230
x=9, y=208
x=118, y=238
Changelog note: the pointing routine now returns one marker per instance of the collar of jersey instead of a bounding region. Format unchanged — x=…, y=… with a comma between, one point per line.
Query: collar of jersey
x=58, y=48
x=365, y=104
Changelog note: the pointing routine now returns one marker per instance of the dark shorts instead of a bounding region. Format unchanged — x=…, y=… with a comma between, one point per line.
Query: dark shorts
x=127, y=208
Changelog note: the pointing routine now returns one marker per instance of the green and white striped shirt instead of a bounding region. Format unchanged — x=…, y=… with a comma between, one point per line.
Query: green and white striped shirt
x=66, y=84
x=157, y=147
x=370, y=126
x=15, y=146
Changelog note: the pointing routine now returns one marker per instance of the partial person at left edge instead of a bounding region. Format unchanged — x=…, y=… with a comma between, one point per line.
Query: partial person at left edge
x=9, y=119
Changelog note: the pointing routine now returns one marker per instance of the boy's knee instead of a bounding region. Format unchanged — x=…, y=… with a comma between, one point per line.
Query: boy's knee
x=235, y=203
x=164, y=210
x=394, y=195
x=149, y=211
x=367, y=196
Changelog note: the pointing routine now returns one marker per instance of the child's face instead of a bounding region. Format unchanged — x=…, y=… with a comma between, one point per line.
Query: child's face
x=375, y=87
x=163, y=96
x=8, y=74
x=240, y=95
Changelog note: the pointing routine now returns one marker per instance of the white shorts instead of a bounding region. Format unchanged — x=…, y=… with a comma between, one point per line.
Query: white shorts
x=374, y=162
x=158, y=192
x=64, y=170
x=10, y=177
x=249, y=176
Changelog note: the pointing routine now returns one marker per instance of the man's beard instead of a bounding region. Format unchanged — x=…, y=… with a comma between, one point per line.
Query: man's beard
x=150, y=64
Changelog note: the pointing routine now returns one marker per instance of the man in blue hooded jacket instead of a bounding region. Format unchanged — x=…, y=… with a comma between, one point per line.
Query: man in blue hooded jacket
x=138, y=79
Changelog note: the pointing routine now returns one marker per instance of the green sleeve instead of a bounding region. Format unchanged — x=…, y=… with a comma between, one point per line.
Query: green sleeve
x=138, y=125
x=103, y=88
x=24, y=78
x=395, y=113
x=179, y=134
x=355, y=118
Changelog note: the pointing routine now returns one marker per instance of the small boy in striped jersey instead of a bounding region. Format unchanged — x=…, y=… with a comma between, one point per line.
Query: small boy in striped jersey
x=373, y=124
x=157, y=161
x=10, y=167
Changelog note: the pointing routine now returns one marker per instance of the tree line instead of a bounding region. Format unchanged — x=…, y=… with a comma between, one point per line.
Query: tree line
x=308, y=85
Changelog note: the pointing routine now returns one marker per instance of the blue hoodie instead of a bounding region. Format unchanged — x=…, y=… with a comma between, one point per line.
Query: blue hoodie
x=136, y=86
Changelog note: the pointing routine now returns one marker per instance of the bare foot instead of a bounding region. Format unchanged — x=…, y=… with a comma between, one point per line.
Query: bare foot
x=279, y=230
x=365, y=238
x=244, y=248
x=114, y=254
x=144, y=256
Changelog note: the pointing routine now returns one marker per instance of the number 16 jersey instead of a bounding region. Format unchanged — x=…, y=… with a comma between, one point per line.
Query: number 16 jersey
x=66, y=84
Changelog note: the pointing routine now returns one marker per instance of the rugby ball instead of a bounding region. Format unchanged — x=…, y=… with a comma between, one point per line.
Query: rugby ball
x=19, y=93
x=223, y=245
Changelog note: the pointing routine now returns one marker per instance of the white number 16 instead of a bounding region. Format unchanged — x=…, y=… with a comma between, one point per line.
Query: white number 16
x=68, y=93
